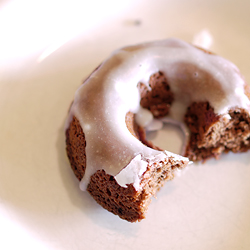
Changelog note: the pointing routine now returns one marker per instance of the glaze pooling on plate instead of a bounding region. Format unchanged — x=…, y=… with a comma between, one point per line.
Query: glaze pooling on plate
x=103, y=101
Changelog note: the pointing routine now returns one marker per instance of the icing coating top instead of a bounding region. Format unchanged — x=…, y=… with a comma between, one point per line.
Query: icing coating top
x=102, y=102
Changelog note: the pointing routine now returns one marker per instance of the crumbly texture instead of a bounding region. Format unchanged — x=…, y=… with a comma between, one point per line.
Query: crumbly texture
x=210, y=134
x=127, y=203
x=158, y=98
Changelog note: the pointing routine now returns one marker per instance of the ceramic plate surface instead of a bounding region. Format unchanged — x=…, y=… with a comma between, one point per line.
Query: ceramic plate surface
x=47, y=48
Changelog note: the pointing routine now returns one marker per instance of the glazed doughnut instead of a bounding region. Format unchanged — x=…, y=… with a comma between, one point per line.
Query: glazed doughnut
x=139, y=85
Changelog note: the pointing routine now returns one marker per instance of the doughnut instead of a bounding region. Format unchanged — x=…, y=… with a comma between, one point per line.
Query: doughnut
x=139, y=88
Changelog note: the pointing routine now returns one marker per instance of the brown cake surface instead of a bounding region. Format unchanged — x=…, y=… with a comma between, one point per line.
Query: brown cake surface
x=213, y=128
x=127, y=203
x=210, y=133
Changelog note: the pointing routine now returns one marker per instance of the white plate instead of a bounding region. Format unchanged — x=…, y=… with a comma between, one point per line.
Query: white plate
x=46, y=50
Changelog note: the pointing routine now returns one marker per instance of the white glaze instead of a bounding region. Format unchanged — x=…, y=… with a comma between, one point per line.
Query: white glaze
x=143, y=117
x=132, y=173
x=102, y=102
